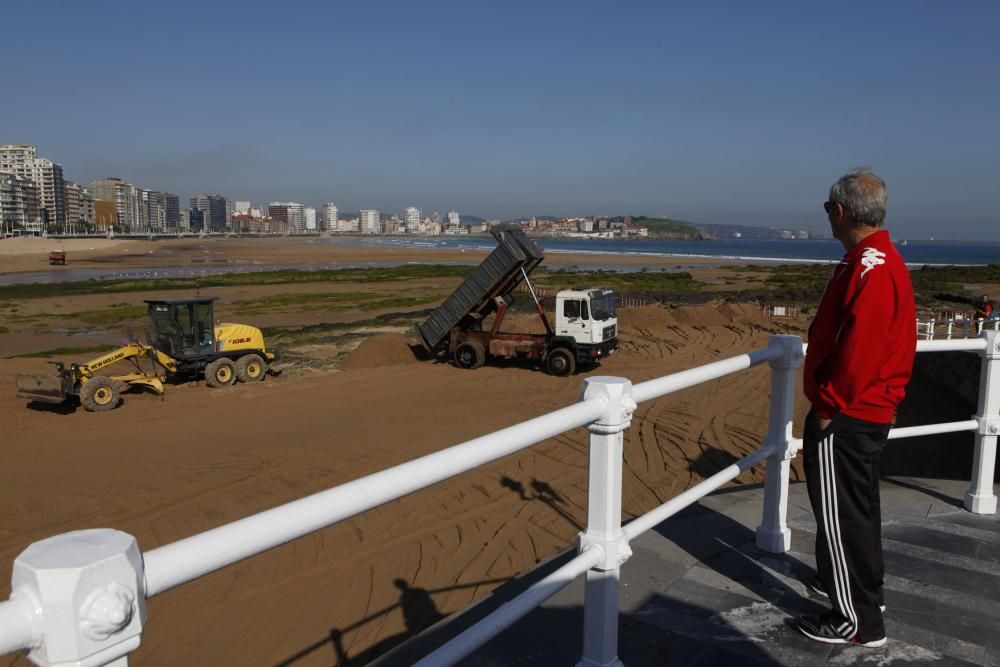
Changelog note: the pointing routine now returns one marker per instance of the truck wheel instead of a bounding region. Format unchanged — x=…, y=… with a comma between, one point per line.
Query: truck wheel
x=251, y=368
x=560, y=362
x=470, y=354
x=220, y=373
x=99, y=394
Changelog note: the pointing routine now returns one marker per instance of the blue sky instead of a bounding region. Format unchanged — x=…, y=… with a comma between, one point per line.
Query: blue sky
x=739, y=112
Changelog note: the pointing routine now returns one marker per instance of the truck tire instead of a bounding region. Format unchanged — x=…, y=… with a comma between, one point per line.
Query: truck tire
x=99, y=394
x=470, y=354
x=251, y=368
x=220, y=373
x=560, y=362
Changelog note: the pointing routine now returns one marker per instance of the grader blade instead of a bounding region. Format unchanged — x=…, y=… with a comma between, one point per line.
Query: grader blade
x=41, y=388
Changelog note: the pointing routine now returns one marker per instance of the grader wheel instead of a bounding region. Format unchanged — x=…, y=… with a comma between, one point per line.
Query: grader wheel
x=99, y=394
x=220, y=373
x=251, y=368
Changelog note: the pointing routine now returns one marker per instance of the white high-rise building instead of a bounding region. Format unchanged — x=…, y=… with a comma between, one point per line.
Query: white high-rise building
x=370, y=223
x=296, y=217
x=309, y=215
x=241, y=207
x=453, y=219
x=22, y=160
x=411, y=218
x=19, y=203
x=330, y=217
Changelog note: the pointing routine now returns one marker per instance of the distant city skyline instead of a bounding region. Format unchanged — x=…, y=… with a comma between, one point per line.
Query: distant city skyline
x=717, y=113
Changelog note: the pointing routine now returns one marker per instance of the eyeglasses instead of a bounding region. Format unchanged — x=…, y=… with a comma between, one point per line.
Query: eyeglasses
x=829, y=206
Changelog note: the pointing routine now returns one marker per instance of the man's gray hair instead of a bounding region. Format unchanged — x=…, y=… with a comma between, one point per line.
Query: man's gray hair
x=863, y=196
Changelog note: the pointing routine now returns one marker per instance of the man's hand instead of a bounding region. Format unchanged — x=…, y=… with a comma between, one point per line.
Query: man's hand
x=823, y=423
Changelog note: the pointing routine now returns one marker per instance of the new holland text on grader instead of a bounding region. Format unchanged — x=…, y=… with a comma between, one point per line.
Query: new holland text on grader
x=185, y=344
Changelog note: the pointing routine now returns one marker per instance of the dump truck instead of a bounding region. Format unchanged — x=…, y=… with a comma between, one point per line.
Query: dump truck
x=586, y=326
x=183, y=343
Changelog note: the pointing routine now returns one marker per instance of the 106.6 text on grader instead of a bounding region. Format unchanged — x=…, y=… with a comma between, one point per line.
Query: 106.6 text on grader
x=185, y=344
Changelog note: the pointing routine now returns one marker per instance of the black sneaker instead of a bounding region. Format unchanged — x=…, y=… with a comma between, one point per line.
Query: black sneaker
x=815, y=584
x=821, y=630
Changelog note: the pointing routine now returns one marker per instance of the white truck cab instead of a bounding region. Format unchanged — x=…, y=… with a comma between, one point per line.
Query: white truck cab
x=587, y=316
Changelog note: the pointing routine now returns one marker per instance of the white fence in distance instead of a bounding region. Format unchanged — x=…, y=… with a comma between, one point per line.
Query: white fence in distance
x=780, y=310
x=79, y=598
x=962, y=327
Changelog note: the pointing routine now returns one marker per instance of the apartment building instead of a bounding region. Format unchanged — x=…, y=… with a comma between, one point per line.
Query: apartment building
x=330, y=214
x=19, y=203
x=127, y=200
x=216, y=210
x=79, y=207
x=22, y=160
x=370, y=222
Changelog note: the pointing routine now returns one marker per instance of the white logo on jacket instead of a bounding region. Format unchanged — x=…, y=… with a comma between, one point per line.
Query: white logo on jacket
x=871, y=258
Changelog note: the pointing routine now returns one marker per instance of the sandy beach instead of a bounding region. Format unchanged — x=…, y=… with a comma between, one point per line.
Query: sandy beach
x=29, y=254
x=347, y=404
x=165, y=469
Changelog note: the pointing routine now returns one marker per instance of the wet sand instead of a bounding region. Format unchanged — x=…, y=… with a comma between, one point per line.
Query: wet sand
x=23, y=255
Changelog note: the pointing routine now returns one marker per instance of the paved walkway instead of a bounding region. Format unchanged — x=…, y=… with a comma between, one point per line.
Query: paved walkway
x=698, y=592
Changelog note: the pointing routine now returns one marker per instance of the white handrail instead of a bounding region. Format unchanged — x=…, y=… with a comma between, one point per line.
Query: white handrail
x=196, y=556
x=17, y=631
x=679, y=502
x=668, y=384
x=510, y=612
x=933, y=429
x=953, y=345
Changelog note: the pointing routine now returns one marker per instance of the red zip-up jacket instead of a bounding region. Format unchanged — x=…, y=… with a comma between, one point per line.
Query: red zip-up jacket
x=864, y=336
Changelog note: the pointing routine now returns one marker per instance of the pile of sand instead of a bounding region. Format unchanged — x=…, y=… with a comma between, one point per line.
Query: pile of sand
x=709, y=315
x=381, y=350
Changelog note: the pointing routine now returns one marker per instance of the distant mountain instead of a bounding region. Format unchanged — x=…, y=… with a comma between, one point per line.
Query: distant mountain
x=666, y=228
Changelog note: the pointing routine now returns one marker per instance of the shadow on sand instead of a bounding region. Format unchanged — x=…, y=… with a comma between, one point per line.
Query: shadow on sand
x=419, y=613
x=740, y=618
x=544, y=493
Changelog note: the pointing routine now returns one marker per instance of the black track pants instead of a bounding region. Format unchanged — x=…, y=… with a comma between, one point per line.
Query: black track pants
x=842, y=468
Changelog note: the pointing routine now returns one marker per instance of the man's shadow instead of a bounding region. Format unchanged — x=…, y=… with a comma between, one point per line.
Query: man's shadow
x=419, y=613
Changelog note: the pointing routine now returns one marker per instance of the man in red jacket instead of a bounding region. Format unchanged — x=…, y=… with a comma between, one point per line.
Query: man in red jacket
x=860, y=357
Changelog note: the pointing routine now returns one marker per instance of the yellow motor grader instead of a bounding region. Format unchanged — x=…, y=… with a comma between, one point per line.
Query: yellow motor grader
x=184, y=344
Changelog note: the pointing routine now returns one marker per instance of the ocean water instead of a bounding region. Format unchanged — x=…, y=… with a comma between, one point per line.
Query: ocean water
x=914, y=252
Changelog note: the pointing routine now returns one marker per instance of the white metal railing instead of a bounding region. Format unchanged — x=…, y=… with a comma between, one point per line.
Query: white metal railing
x=80, y=597
x=955, y=327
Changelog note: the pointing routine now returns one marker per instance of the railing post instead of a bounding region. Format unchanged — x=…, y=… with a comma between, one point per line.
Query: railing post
x=980, y=498
x=78, y=599
x=773, y=534
x=604, y=521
